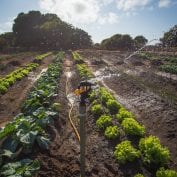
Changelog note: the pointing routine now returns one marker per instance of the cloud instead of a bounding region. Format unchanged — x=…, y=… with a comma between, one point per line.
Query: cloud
x=164, y=3
x=110, y=18
x=6, y=26
x=131, y=5
x=79, y=11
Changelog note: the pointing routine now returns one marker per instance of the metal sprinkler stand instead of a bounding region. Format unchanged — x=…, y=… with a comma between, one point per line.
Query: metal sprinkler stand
x=83, y=90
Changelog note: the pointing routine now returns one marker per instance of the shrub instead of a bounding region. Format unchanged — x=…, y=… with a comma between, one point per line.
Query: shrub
x=125, y=152
x=104, y=121
x=5, y=83
x=3, y=89
x=123, y=113
x=97, y=110
x=92, y=96
x=166, y=173
x=132, y=127
x=113, y=106
x=169, y=68
x=84, y=71
x=105, y=95
x=153, y=152
x=139, y=175
x=112, y=132
x=11, y=80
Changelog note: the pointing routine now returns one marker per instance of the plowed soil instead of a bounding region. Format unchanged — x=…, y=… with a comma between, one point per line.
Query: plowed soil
x=10, y=102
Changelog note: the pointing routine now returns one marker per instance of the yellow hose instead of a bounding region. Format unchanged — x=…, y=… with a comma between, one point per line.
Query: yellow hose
x=70, y=111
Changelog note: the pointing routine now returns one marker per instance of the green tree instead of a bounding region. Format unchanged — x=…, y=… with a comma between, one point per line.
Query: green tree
x=170, y=38
x=118, y=42
x=6, y=40
x=140, y=41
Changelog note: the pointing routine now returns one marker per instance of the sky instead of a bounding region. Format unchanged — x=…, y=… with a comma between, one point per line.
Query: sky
x=100, y=18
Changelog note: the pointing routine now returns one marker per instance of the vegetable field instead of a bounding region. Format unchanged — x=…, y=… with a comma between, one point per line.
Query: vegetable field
x=131, y=114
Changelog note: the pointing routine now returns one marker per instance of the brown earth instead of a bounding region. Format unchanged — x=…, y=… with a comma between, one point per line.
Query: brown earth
x=12, y=62
x=134, y=91
x=62, y=159
x=151, y=97
x=10, y=102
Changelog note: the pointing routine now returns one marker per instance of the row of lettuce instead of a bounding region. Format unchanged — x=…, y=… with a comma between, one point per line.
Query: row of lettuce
x=27, y=133
x=19, y=73
x=117, y=122
x=165, y=63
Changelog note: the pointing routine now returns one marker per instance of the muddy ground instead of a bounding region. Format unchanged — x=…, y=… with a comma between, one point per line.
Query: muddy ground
x=139, y=87
x=62, y=159
x=10, y=102
x=9, y=63
x=131, y=84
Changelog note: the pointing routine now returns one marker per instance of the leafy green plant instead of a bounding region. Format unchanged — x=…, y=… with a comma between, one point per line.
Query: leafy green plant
x=83, y=70
x=23, y=168
x=39, y=58
x=77, y=58
x=18, y=74
x=132, y=127
x=166, y=173
x=104, y=121
x=153, y=152
x=3, y=89
x=113, y=106
x=92, y=95
x=105, y=95
x=39, y=110
x=169, y=68
x=123, y=114
x=139, y=175
x=97, y=110
x=112, y=132
x=125, y=152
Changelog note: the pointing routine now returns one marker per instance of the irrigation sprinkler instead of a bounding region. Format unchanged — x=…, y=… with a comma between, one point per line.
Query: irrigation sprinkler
x=83, y=90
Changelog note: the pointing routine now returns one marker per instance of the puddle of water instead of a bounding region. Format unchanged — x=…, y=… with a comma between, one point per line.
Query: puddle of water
x=72, y=98
x=103, y=74
x=33, y=77
x=68, y=74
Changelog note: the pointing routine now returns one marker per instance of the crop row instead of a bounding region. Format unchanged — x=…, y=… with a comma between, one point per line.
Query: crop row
x=39, y=58
x=107, y=110
x=83, y=70
x=27, y=132
x=77, y=58
x=19, y=73
x=14, y=76
x=167, y=63
x=169, y=68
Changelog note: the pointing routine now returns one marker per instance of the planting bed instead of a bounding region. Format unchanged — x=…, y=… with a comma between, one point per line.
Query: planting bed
x=135, y=90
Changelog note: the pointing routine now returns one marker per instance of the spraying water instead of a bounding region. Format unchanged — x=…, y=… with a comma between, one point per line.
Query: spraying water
x=134, y=53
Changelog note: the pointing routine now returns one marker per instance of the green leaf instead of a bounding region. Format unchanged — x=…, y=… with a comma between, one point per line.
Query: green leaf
x=43, y=142
x=9, y=129
x=29, y=138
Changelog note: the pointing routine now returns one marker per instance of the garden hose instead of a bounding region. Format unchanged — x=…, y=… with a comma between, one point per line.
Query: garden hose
x=70, y=111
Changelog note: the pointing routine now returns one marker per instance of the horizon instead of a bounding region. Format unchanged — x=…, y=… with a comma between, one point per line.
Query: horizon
x=100, y=18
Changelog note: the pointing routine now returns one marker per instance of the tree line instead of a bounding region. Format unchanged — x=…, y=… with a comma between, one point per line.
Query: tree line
x=34, y=30
x=123, y=42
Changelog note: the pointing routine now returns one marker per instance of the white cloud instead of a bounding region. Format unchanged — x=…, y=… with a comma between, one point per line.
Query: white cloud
x=79, y=11
x=110, y=18
x=6, y=26
x=164, y=3
x=131, y=5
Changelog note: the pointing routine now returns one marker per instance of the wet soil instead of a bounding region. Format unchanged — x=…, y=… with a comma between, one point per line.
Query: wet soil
x=62, y=159
x=10, y=102
x=152, y=98
x=11, y=63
